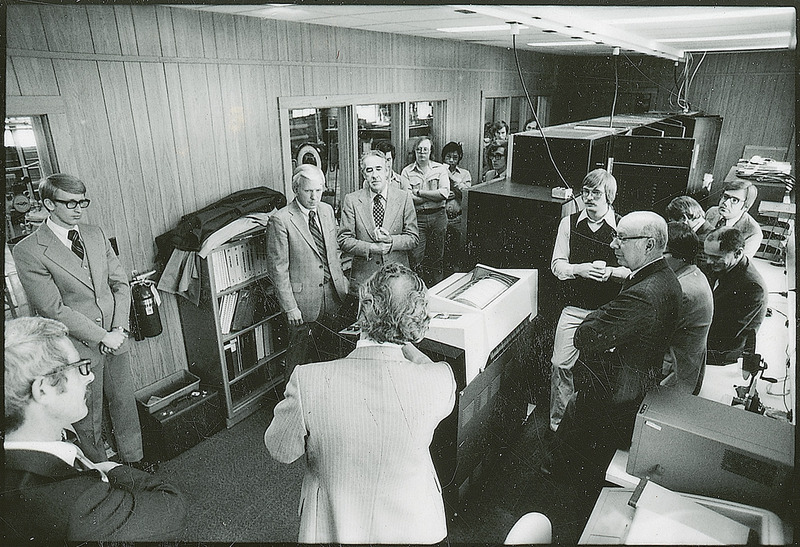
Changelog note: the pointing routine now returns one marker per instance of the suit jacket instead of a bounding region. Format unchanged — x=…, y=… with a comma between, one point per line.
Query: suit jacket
x=358, y=231
x=91, y=298
x=294, y=264
x=687, y=352
x=638, y=324
x=740, y=304
x=365, y=424
x=44, y=499
x=746, y=224
x=705, y=228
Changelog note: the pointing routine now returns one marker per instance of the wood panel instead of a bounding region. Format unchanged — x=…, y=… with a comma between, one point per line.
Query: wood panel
x=156, y=134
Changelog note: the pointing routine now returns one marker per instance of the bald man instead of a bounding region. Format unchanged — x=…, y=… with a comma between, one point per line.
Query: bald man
x=637, y=325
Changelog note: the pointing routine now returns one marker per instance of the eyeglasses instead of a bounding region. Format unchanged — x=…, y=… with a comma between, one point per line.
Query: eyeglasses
x=733, y=199
x=496, y=156
x=72, y=203
x=377, y=169
x=422, y=149
x=623, y=239
x=597, y=194
x=84, y=367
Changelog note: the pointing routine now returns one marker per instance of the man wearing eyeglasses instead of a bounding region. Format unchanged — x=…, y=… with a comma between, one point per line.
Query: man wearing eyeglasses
x=51, y=490
x=737, y=197
x=590, y=275
x=622, y=345
x=70, y=273
x=429, y=185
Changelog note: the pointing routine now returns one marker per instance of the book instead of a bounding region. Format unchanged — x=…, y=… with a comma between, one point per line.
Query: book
x=226, y=313
x=232, y=358
x=243, y=312
x=248, y=351
x=260, y=351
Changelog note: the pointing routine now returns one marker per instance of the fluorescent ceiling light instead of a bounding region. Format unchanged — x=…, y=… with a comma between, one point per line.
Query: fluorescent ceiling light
x=717, y=13
x=559, y=44
x=738, y=48
x=762, y=36
x=484, y=28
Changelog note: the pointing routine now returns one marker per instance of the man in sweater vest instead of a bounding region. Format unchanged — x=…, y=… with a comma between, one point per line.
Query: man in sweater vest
x=583, y=260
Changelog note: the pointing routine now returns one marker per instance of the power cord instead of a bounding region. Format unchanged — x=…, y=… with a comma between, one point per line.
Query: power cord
x=514, y=32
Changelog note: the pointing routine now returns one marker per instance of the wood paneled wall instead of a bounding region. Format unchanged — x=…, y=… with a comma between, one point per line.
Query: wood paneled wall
x=163, y=110
x=753, y=92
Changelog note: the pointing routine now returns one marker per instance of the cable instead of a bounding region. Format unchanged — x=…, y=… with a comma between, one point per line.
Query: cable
x=536, y=117
x=616, y=91
x=674, y=77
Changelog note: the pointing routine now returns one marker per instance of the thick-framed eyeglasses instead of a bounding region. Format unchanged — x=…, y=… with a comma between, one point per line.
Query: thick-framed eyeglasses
x=727, y=197
x=72, y=203
x=497, y=156
x=596, y=194
x=623, y=239
x=84, y=367
x=422, y=150
x=376, y=169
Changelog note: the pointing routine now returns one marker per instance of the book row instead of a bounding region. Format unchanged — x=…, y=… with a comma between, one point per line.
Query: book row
x=238, y=263
x=247, y=350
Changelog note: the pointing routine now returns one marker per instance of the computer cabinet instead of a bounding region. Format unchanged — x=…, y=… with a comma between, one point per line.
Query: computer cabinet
x=236, y=337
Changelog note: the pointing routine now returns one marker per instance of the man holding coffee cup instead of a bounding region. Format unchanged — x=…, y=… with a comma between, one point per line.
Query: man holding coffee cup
x=584, y=261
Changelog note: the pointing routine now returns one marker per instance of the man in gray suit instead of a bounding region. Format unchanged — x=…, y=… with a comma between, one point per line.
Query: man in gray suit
x=70, y=273
x=379, y=224
x=304, y=266
x=364, y=424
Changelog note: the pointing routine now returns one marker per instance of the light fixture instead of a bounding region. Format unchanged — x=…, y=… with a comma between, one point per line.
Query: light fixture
x=479, y=28
x=561, y=44
x=715, y=13
x=731, y=37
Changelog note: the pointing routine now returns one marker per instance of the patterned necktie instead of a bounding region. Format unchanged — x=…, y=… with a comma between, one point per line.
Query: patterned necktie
x=77, y=246
x=378, y=210
x=720, y=223
x=316, y=234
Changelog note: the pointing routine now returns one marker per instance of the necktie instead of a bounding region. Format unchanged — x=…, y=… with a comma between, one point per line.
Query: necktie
x=77, y=246
x=81, y=461
x=378, y=210
x=720, y=223
x=316, y=234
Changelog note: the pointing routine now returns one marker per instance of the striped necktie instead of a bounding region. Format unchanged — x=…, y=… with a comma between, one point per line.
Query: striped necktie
x=77, y=246
x=378, y=210
x=316, y=234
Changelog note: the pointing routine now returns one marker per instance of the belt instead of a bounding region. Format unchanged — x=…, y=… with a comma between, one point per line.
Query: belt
x=429, y=211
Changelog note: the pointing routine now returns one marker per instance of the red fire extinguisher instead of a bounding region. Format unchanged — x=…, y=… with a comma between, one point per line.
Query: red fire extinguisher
x=145, y=318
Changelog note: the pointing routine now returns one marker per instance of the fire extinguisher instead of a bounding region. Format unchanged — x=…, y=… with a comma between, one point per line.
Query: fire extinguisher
x=145, y=318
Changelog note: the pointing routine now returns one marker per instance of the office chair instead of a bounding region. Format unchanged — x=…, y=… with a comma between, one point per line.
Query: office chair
x=531, y=528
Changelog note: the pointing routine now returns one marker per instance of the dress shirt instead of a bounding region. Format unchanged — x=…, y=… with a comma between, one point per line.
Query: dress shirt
x=560, y=264
x=316, y=217
x=492, y=174
x=369, y=343
x=696, y=224
x=384, y=195
x=394, y=178
x=63, y=450
x=460, y=178
x=61, y=233
x=434, y=178
x=637, y=270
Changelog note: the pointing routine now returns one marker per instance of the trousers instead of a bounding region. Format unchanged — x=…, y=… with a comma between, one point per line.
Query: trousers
x=565, y=355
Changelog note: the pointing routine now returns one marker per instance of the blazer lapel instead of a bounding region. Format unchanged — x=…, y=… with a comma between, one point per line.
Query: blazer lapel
x=364, y=211
x=393, y=206
x=299, y=221
x=62, y=257
x=328, y=227
x=39, y=463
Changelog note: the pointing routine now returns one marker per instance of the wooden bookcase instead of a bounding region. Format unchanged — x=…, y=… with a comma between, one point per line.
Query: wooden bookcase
x=236, y=337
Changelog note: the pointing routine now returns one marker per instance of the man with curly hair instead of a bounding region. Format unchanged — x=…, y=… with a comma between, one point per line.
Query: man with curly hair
x=365, y=424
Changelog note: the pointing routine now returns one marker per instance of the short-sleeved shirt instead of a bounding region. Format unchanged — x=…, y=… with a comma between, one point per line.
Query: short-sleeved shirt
x=435, y=178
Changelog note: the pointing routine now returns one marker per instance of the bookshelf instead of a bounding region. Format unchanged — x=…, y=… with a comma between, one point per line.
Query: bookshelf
x=236, y=337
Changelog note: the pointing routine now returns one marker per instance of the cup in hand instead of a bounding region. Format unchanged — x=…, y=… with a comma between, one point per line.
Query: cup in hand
x=599, y=266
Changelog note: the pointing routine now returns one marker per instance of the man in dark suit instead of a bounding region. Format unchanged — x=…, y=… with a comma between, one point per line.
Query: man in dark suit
x=379, y=224
x=685, y=359
x=637, y=325
x=740, y=297
x=70, y=273
x=304, y=265
x=51, y=491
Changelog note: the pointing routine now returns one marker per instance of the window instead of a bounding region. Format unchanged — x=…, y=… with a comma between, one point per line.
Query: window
x=515, y=111
x=28, y=158
x=333, y=132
